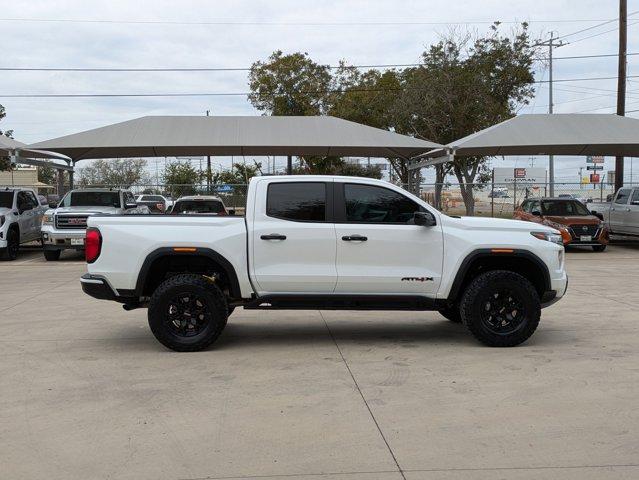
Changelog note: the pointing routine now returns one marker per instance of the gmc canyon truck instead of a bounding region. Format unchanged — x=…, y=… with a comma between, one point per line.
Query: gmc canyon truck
x=322, y=242
x=20, y=217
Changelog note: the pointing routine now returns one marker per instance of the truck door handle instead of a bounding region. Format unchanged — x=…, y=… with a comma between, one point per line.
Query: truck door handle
x=354, y=238
x=273, y=236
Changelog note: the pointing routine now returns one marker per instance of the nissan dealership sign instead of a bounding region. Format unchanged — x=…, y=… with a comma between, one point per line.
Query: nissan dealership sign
x=522, y=175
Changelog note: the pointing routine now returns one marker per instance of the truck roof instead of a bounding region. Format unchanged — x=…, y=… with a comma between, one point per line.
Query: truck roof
x=199, y=197
x=98, y=189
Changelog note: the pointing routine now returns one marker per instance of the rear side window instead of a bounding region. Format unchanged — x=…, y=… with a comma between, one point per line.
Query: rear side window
x=301, y=202
x=635, y=196
x=370, y=204
x=622, y=196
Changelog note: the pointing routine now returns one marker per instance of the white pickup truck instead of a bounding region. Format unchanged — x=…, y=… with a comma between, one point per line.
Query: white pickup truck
x=621, y=215
x=323, y=242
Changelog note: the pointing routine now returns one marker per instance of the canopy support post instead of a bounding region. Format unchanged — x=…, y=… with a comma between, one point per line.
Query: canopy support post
x=289, y=165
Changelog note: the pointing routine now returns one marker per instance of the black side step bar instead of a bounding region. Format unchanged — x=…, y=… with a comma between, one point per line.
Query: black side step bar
x=343, y=302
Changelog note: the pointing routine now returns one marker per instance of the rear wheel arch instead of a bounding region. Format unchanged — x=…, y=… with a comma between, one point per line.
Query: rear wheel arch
x=523, y=262
x=204, y=261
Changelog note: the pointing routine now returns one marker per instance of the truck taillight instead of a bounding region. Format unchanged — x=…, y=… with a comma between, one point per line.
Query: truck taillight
x=92, y=245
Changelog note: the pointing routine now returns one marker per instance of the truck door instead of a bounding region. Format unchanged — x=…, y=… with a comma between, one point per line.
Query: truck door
x=619, y=210
x=631, y=220
x=379, y=248
x=293, y=238
x=26, y=210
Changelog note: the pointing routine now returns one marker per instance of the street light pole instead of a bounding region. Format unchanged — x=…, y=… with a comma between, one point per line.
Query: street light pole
x=621, y=82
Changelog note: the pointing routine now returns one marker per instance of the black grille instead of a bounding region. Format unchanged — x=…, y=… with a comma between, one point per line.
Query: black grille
x=71, y=222
x=578, y=230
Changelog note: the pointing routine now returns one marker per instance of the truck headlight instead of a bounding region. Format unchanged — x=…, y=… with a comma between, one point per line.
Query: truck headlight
x=549, y=237
x=47, y=220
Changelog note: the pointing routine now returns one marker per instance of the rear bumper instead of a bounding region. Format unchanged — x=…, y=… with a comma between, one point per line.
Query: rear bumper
x=98, y=287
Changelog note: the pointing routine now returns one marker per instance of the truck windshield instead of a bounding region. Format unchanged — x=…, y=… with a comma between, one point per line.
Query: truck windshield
x=564, y=208
x=92, y=199
x=199, y=206
x=6, y=199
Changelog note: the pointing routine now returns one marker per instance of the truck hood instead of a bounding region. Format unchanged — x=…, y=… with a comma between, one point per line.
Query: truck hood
x=86, y=210
x=497, y=224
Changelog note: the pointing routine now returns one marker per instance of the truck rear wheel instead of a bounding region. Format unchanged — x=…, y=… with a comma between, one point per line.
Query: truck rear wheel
x=501, y=308
x=187, y=313
x=52, y=255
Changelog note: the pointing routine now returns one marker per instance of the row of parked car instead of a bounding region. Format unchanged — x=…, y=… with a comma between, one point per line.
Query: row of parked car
x=27, y=217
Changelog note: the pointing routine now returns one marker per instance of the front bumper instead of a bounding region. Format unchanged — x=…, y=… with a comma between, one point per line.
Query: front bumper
x=53, y=239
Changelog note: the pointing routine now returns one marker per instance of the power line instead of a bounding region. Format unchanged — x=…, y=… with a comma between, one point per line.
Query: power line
x=228, y=94
x=294, y=24
x=246, y=69
x=595, y=26
x=601, y=33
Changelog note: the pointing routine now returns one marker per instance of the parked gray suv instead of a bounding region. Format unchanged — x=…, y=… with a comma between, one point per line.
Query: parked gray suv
x=65, y=226
x=20, y=216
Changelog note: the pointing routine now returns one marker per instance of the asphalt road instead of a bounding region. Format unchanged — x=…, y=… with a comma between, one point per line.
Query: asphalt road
x=86, y=392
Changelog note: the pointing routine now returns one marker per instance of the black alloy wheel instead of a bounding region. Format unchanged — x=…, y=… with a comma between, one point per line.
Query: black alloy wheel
x=187, y=314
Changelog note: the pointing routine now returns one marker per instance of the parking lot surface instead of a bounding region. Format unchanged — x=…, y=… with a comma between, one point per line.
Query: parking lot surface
x=86, y=392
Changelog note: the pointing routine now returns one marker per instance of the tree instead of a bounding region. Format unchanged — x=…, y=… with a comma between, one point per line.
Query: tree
x=47, y=174
x=121, y=172
x=465, y=86
x=290, y=85
x=180, y=178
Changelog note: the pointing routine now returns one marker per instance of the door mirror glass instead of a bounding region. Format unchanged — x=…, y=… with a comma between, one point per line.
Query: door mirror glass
x=425, y=219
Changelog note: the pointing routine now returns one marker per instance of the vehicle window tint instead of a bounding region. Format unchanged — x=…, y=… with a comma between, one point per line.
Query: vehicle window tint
x=622, y=196
x=92, y=199
x=635, y=196
x=564, y=208
x=526, y=206
x=6, y=199
x=26, y=200
x=303, y=201
x=152, y=198
x=32, y=199
x=370, y=204
x=199, y=206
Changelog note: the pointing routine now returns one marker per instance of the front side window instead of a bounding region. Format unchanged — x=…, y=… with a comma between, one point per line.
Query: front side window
x=302, y=202
x=534, y=207
x=622, y=196
x=372, y=204
x=91, y=199
x=6, y=199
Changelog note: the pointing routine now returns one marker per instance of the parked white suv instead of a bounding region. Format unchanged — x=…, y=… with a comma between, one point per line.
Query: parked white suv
x=64, y=227
x=20, y=217
x=319, y=242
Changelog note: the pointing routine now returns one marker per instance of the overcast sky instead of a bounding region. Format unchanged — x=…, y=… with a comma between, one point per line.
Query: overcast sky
x=241, y=32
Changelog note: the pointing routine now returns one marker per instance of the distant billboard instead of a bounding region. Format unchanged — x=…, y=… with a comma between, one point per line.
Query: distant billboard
x=523, y=175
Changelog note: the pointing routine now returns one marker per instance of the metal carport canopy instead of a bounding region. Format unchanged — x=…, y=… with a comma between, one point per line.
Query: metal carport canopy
x=549, y=134
x=159, y=136
x=12, y=147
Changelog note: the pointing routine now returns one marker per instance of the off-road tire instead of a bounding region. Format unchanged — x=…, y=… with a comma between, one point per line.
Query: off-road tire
x=477, y=298
x=52, y=255
x=451, y=313
x=212, y=298
x=599, y=248
x=13, y=245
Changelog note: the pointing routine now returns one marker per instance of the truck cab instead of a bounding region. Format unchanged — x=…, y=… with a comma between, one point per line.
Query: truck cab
x=20, y=217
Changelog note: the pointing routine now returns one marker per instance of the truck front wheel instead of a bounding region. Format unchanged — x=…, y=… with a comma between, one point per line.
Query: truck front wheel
x=501, y=308
x=187, y=313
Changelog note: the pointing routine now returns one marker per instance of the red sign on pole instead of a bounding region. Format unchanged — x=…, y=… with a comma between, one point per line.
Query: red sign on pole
x=594, y=178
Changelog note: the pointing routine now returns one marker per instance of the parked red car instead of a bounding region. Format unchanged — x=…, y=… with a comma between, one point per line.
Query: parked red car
x=578, y=226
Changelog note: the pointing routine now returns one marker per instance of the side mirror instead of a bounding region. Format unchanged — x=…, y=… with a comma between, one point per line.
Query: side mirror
x=425, y=219
x=536, y=213
x=598, y=215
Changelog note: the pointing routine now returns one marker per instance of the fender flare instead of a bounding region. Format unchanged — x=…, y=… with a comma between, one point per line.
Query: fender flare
x=487, y=252
x=229, y=270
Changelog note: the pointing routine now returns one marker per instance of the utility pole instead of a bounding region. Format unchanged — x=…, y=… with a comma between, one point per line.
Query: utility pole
x=289, y=165
x=621, y=81
x=208, y=169
x=551, y=158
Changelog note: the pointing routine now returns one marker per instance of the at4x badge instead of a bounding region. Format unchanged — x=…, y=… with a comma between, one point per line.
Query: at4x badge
x=417, y=279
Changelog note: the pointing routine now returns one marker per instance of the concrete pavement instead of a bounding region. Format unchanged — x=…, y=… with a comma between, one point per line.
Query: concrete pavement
x=87, y=392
